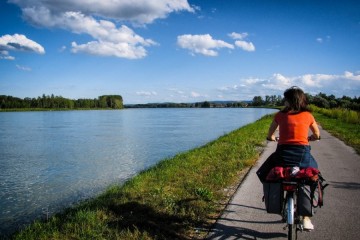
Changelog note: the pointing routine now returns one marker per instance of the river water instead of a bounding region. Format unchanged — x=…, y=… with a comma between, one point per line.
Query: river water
x=51, y=160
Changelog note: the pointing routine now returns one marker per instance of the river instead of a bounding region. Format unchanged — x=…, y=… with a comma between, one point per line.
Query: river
x=52, y=160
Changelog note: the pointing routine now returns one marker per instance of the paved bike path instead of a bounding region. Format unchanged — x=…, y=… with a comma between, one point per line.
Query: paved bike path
x=245, y=216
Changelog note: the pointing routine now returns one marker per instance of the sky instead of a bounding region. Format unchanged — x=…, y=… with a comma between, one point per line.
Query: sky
x=177, y=50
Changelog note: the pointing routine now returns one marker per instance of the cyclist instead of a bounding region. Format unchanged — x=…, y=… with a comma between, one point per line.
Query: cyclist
x=293, y=147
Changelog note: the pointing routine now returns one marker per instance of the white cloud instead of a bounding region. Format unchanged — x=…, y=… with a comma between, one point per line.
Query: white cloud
x=345, y=84
x=95, y=18
x=321, y=39
x=138, y=11
x=146, y=93
x=253, y=80
x=230, y=88
x=198, y=95
x=11, y=58
x=239, y=36
x=309, y=80
x=240, y=41
x=176, y=90
x=123, y=49
x=351, y=76
x=5, y=55
x=202, y=44
x=195, y=94
x=247, y=46
x=110, y=40
x=281, y=80
x=19, y=42
x=23, y=68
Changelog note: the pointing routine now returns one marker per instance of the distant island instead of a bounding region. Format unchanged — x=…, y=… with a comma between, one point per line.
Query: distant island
x=60, y=103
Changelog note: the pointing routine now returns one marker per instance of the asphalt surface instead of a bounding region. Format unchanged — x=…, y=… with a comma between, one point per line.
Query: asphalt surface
x=245, y=216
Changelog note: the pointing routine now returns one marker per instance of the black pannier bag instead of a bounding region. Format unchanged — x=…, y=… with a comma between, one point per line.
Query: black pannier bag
x=273, y=197
x=305, y=200
x=311, y=196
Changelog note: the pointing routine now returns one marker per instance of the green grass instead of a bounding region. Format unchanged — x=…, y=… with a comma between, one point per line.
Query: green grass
x=344, y=115
x=179, y=198
x=347, y=132
x=341, y=123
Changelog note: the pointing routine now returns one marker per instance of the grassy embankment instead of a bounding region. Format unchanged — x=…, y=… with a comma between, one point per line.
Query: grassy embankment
x=341, y=123
x=177, y=199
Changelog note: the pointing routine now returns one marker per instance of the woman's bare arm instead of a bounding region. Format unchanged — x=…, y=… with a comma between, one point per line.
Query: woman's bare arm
x=272, y=129
x=315, y=131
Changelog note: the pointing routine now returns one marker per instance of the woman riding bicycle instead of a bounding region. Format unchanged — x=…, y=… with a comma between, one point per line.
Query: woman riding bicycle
x=293, y=149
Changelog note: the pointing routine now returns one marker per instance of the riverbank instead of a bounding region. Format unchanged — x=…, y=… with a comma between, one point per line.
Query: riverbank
x=179, y=198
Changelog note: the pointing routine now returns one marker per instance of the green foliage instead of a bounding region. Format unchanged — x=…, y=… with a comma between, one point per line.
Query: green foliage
x=204, y=193
x=346, y=131
x=111, y=101
x=58, y=102
x=206, y=104
x=323, y=101
x=269, y=101
x=320, y=100
x=345, y=115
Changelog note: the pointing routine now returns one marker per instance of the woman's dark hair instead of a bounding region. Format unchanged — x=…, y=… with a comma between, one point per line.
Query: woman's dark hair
x=296, y=99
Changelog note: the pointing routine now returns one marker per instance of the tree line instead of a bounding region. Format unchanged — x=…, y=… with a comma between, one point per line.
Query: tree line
x=116, y=102
x=320, y=100
x=205, y=104
x=59, y=102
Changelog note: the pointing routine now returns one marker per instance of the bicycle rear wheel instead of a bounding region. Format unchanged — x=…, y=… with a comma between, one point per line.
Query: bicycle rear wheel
x=292, y=230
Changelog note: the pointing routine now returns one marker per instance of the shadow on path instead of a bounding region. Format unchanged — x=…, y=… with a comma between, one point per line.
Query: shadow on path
x=226, y=232
x=346, y=185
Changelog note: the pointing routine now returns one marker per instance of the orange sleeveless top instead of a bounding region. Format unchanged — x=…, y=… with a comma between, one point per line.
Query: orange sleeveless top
x=294, y=127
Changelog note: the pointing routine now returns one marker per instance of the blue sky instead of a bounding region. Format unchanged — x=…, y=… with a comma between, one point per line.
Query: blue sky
x=178, y=50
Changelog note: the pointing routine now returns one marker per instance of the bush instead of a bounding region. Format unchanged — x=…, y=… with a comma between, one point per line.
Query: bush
x=346, y=115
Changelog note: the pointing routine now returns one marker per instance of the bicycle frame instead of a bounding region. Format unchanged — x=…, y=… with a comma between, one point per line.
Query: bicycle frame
x=290, y=216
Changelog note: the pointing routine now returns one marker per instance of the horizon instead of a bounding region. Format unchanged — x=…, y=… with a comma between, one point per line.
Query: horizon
x=179, y=51
x=192, y=102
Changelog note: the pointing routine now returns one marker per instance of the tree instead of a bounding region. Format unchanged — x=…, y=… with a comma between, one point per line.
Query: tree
x=111, y=101
x=205, y=104
x=321, y=102
x=257, y=101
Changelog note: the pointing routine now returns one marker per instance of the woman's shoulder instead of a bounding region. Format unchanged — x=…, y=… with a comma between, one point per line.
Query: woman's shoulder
x=293, y=114
x=307, y=113
x=280, y=114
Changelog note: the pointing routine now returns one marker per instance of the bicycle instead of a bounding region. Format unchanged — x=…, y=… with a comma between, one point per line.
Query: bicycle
x=289, y=213
x=293, y=196
x=289, y=183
